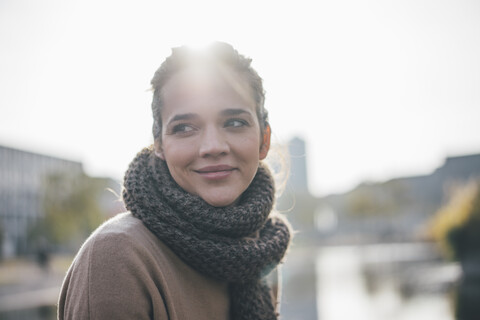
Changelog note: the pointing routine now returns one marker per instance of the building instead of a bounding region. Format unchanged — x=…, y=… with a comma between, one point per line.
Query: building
x=22, y=179
x=396, y=210
x=297, y=180
x=298, y=271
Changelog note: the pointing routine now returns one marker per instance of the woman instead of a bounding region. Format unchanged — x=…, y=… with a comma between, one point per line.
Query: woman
x=199, y=238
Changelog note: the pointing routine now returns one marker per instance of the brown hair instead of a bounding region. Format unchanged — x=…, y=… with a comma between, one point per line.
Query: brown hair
x=217, y=55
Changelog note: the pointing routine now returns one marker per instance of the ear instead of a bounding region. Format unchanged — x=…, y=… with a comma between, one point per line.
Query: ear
x=158, y=149
x=267, y=132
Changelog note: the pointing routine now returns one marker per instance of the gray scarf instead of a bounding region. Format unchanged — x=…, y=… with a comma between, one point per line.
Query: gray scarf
x=215, y=241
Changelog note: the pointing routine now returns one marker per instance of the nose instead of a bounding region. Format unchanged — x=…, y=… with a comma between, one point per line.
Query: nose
x=213, y=143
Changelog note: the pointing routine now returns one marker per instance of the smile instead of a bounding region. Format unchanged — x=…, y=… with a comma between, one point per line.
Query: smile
x=215, y=172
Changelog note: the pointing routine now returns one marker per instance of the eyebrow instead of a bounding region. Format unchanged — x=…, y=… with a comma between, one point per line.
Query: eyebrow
x=184, y=116
x=233, y=112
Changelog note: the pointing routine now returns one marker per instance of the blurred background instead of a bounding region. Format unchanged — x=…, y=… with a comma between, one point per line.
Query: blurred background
x=377, y=103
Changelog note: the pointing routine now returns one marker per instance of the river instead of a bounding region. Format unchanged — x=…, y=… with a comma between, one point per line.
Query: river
x=388, y=281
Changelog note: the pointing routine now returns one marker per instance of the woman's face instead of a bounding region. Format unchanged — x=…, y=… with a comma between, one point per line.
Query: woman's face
x=211, y=139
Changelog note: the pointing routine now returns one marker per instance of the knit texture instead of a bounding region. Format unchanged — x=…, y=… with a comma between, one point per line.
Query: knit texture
x=217, y=242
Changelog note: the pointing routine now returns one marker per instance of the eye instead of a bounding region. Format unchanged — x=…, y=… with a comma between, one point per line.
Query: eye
x=182, y=128
x=236, y=123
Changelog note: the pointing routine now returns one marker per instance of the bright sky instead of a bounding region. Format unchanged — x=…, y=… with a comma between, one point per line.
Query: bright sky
x=377, y=88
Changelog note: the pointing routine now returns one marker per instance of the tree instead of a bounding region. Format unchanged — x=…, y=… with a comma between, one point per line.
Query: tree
x=71, y=206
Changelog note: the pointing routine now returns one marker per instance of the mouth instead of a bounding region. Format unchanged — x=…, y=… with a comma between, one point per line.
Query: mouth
x=215, y=172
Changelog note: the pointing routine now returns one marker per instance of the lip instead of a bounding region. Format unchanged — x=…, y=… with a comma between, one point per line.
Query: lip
x=215, y=172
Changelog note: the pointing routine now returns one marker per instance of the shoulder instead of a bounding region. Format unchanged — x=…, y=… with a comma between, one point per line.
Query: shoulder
x=116, y=231
x=120, y=239
x=123, y=224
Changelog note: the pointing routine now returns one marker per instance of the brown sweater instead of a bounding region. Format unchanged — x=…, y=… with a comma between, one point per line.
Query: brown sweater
x=123, y=271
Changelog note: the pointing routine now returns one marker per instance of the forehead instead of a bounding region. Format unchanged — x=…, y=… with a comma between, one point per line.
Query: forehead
x=199, y=85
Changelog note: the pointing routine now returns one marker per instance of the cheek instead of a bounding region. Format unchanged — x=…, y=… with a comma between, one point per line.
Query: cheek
x=177, y=154
x=249, y=146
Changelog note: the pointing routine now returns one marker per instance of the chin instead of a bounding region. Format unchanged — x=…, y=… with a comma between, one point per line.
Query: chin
x=222, y=202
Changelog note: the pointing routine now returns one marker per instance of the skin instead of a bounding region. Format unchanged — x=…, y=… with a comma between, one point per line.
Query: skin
x=211, y=138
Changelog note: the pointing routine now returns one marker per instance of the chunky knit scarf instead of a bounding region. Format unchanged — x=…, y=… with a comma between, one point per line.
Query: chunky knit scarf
x=238, y=244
